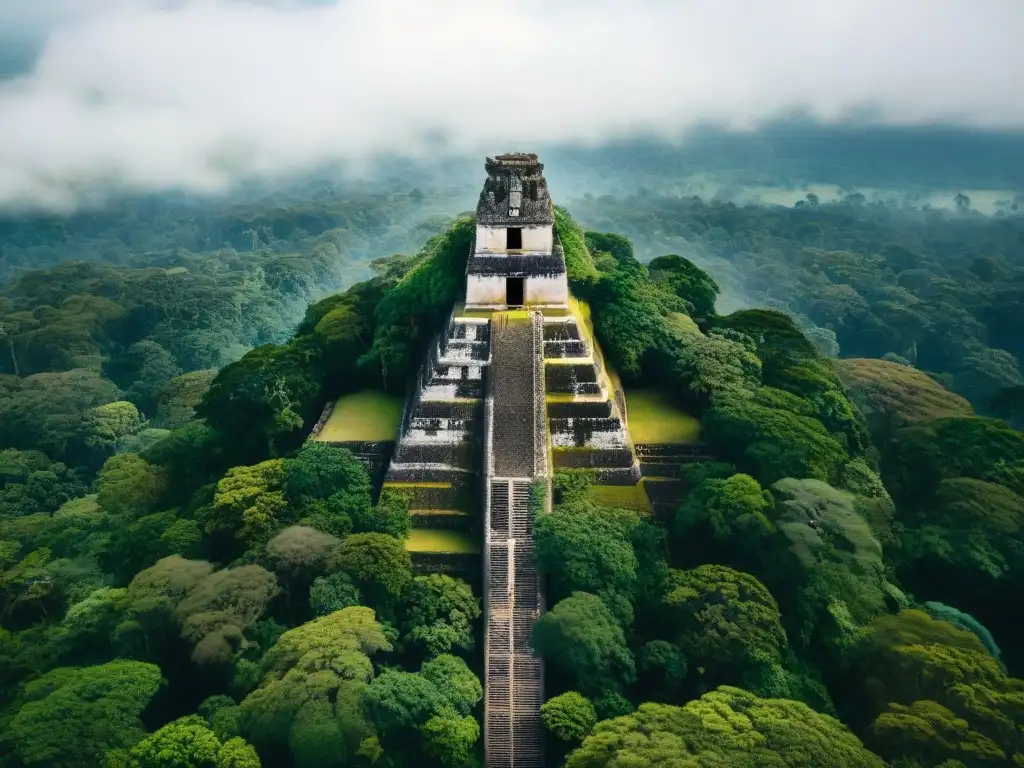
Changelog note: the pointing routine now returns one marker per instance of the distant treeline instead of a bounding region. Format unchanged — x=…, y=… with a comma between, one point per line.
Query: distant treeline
x=942, y=290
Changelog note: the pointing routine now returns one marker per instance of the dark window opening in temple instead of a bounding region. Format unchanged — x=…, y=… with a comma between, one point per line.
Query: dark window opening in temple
x=515, y=291
x=514, y=241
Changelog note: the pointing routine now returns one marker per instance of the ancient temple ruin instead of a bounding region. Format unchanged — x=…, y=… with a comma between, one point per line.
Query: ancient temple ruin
x=516, y=259
x=512, y=388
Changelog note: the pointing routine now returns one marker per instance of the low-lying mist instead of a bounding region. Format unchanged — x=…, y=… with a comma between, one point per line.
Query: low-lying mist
x=145, y=96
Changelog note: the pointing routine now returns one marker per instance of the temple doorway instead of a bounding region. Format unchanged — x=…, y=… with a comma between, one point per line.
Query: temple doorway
x=515, y=291
x=514, y=239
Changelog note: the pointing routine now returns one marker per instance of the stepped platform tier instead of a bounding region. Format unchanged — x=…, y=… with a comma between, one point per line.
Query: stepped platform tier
x=435, y=460
x=562, y=340
x=427, y=473
x=662, y=456
x=664, y=495
x=457, y=493
x=439, y=427
x=365, y=423
x=445, y=550
x=437, y=519
x=662, y=466
x=585, y=410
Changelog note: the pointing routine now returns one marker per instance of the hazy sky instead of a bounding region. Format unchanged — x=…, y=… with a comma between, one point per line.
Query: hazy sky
x=191, y=94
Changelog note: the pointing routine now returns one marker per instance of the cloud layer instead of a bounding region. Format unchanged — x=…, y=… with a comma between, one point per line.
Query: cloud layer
x=148, y=95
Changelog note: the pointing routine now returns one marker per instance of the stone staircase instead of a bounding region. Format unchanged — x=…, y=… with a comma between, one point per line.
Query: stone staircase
x=515, y=459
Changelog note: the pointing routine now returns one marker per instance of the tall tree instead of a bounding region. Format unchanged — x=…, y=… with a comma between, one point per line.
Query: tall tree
x=307, y=706
x=580, y=637
x=74, y=716
x=726, y=620
x=728, y=726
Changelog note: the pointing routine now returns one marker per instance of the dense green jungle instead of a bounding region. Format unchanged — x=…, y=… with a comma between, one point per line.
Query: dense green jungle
x=186, y=583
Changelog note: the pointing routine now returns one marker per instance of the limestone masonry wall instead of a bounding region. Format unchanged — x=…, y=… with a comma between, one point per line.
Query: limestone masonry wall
x=544, y=289
x=485, y=289
x=538, y=237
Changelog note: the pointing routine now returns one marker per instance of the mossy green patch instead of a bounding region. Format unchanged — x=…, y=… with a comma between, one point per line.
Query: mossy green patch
x=553, y=311
x=423, y=484
x=584, y=319
x=890, y=393
x=567, y=361
x=585, y=322
x=682, y=325
x=631, y=497
x=363, y=416
x=567, y=397
x=462, y=311
x=441, y=540
x=655, y=417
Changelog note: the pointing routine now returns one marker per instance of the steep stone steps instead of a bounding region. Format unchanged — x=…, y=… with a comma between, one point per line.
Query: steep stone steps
x=513, y=674
x=512, y=396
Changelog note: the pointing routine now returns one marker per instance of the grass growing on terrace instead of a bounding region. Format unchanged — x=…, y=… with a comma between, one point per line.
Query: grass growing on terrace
x=631, y=497
x=397, y=485
x=553, y=311
x=567, y=397
x=441, y=540
x=581, y=310
x=363, y=416
x=654, y=417
x=462, y=311
x=585, y=322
